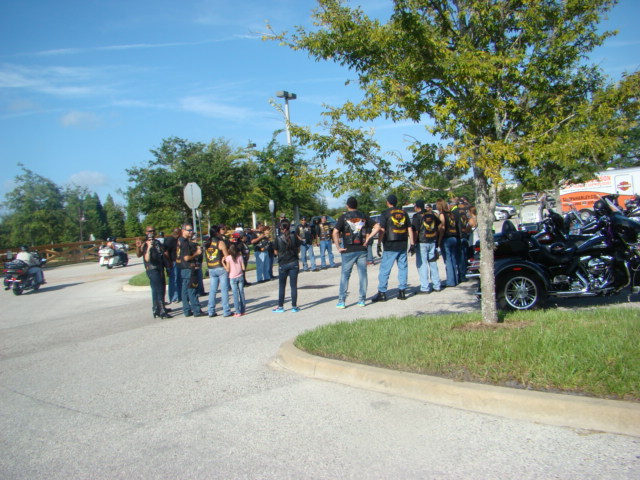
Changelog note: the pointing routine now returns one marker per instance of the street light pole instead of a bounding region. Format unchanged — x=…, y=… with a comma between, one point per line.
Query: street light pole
x=287, y=96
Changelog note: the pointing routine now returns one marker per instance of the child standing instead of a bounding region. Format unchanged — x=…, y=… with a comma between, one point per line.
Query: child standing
x=234, y=264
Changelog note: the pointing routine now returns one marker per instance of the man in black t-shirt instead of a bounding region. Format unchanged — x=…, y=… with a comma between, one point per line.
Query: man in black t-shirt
x=356, y=229
x=395, y=227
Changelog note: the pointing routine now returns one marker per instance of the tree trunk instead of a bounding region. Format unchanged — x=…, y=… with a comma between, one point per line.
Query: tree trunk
x=485, y=205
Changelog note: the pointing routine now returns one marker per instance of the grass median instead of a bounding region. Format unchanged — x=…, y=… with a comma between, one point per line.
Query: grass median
x=593, y=352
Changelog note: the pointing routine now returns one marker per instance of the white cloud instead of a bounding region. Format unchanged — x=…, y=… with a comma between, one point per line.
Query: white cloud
x=61, y=81
x=130, y=46
x=208, y=106
x=333, y=202
x=80, y=119
x=89, y=179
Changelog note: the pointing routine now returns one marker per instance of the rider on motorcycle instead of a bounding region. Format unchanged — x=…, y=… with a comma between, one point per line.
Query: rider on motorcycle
x=33, y=261
x=122, y=255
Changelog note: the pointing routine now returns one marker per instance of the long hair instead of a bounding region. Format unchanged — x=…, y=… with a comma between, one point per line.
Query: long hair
x=213, y=236
x=442, y=206
x=284, y=228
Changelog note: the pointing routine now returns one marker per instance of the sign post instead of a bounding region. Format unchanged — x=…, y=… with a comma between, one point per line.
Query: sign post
x=193, y=198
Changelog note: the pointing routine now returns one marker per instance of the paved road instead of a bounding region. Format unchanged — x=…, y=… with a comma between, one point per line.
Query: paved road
x=91, y=387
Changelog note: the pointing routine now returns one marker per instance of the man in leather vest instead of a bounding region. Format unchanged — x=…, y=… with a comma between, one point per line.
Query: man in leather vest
x=324, y=233
x=395, y=228
x=260, y=244
x=426, y=235
x=307, y=235
x=186, y=257
x=356, y=229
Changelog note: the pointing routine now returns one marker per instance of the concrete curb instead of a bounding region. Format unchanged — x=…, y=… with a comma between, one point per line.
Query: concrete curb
x=547, y=408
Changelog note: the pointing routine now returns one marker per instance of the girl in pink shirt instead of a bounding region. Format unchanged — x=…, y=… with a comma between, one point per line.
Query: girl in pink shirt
x=234, y=264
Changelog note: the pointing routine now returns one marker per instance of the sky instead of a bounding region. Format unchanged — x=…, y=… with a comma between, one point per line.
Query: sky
x=89, y=87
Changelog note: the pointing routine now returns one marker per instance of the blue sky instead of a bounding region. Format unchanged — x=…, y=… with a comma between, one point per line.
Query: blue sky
x=88, y=87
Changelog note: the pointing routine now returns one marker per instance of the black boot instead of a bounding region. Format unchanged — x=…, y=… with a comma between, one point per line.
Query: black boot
x=156, y=311
x=401, y=295
x=380, y=297
x=162, y=312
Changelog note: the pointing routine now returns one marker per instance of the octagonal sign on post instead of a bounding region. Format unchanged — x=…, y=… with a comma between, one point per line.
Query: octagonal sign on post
x=192, y=195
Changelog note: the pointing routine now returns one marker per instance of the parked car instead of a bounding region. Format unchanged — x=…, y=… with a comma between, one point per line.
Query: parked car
x=510, y=210
x=500, y=215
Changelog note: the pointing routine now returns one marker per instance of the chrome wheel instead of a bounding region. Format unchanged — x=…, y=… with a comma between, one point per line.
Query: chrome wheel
x=520, y=291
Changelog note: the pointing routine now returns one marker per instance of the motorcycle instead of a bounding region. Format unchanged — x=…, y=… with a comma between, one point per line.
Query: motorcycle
x=529, y=267
x=18, y=278
x=109, y=258
x=632, y=206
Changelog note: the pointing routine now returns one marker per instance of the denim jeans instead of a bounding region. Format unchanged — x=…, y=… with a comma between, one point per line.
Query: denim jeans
x=218, y=276
x=190, y=302
x=463, y=249
x=175, y=284
x=370, y=252
x=270, y=261
x=348, y=260
x=157, y=290
x=450, y=255
x=388, y=259
x=237, y=287
x=200, y=289
x=262, y=266
x=325, y=246
x=36, y=272
x=427, y=269
x=304, y=248
x=288, y=270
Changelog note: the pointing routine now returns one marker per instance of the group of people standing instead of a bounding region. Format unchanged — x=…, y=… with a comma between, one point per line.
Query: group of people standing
x=427, y=235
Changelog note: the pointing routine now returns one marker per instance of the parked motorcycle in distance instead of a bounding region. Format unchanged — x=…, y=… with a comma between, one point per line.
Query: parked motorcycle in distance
x=110, y=258
x=17, y=277
x=603, y=260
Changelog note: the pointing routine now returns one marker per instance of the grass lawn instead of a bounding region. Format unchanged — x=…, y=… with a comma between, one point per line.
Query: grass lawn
x=594, y=351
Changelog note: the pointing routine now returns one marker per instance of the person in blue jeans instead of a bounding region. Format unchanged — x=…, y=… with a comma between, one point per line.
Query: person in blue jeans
x=395, y=230
x=186, y=256
x=450, y=242
x=466, y=224
x=286, y=247
x=175, y=282
x=307, y=236
x=324, y=234
x=426, y=232
x=356, y=229
x=234, y=265
x=261, y=244
x=215, y=250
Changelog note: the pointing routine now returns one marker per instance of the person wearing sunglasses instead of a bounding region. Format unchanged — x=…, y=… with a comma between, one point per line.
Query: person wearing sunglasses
x=155, y=260
x=187, y=252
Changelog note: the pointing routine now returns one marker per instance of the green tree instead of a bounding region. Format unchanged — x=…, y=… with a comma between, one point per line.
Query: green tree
x=281, y=174
x=84, y=215
x=503, y=83
x=115, y=219
x=35, y=210
x=157, y=189
x=132, y=224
